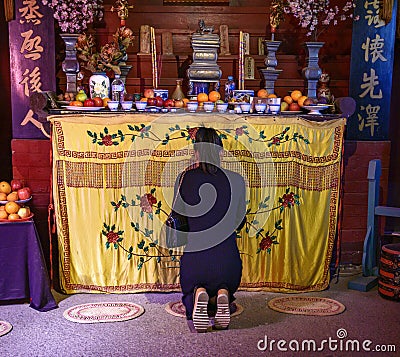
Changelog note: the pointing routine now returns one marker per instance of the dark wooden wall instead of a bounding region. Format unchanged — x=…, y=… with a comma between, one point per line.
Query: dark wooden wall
x=248, y=16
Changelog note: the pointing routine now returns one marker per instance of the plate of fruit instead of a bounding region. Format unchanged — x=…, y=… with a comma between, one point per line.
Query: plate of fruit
x=15, y=191
x=22, y=215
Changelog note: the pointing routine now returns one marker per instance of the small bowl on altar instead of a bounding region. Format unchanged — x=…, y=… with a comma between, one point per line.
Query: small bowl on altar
x=127, y=105
x=113, y=105
x=260, y=107
x=140, y=106
x=192, y=106
x=222, y=107
x=274, y=108
x=208, y=106
x=245, y=107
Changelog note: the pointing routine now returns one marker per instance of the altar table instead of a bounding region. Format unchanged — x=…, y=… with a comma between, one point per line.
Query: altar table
x=113, y=178
x=23, y=273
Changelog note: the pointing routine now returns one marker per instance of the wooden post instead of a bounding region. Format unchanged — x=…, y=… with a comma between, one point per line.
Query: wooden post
x=9, y=9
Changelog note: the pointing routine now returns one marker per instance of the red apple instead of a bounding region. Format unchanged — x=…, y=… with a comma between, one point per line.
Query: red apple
x=148, y=93
x=16, y=185
x=159, y=101
x=89, y=103
x=24, y=193
x=294, y=107
x=98, y=102
x=169, y=103
x=151, y=102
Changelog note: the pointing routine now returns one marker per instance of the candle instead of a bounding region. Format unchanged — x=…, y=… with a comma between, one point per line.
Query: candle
x=241, y=61
x=154, y=57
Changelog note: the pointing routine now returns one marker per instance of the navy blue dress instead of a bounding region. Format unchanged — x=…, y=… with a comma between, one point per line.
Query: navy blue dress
x=215, y=206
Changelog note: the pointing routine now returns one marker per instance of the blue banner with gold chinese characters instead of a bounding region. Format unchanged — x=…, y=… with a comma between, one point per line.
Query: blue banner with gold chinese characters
x=371, y=69
x=32, y=64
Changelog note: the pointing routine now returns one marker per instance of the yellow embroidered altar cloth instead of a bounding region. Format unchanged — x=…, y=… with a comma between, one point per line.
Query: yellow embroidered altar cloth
x=113, y=178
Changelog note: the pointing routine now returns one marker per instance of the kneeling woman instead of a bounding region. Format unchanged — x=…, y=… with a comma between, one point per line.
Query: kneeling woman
x=213, y=199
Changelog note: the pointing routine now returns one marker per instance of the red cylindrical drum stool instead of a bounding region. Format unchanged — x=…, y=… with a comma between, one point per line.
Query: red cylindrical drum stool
x=389, y=272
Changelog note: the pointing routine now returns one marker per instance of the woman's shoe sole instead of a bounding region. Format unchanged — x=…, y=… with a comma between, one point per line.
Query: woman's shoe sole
x=200, y=315
x=223, y=315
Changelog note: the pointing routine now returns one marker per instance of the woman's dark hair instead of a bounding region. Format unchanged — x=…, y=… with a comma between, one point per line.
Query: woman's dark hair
x=209, y=152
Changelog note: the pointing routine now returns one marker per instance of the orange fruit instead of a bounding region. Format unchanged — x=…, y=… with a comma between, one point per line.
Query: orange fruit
x=13, y=217
x=3, y=215
x=202, y=97
x=11, y=207
x=13, y=196
x=105, y=101
x=214, y=96
x=288, y=99
x=76, y=103
x=272, y=95
x=185, y=101
x=301, y=100
x=296, y=94
x=3, y=196
x=262, y=93
x=5, y=187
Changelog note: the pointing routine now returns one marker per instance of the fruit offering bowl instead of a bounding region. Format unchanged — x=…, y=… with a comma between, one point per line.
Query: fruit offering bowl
x=315, y=109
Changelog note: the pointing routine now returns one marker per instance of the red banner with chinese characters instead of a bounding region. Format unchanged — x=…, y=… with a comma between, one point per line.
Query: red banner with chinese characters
x=32, y=64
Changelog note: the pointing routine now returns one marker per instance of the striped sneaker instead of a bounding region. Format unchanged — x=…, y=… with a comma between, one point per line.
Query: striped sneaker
x=200, y=315
x=223, y=315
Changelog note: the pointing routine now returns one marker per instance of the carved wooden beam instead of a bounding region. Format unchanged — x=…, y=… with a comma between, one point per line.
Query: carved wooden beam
x=9, y=9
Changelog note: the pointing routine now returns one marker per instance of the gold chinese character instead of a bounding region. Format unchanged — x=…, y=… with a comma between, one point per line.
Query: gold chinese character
x=371, y=121
x=31, y=81
x=369, y=86
x=374, y=48
x=29, y=118
x=29, y=13
x=373, y=15
x=32, y=46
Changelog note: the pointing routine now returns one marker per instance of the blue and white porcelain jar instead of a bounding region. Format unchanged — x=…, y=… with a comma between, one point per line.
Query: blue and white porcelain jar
x=99, y=85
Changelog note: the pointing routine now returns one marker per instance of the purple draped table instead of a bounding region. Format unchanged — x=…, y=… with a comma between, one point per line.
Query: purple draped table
x=23, y=273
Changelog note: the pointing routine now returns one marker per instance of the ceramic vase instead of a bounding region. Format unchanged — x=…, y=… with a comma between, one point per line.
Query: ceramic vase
x=99, y=85
x=70, y=64
x=312, y=72
x=178, y=92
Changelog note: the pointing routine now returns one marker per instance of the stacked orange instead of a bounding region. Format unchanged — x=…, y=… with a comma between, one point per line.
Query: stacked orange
x=295, y=101
x=201, y=98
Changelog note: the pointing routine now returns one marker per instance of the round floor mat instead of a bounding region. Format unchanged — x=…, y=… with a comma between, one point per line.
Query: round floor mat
x=103, y=312
x=306, y=305
x=177, y=308
x=5, y=328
